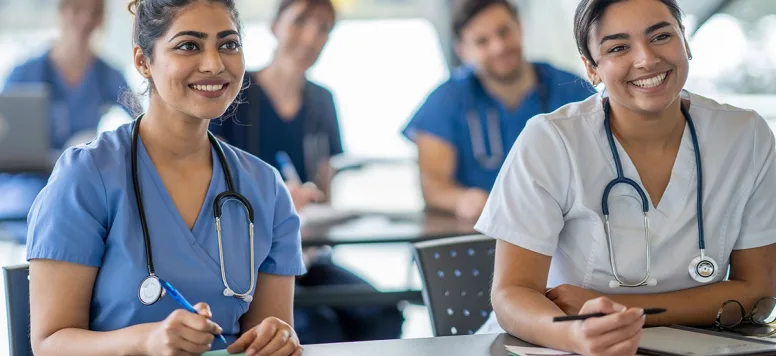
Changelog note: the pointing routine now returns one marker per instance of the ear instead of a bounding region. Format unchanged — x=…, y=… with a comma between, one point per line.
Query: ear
x=592, y=72
x=141, y=62
x=274, y=28
x=687, y=48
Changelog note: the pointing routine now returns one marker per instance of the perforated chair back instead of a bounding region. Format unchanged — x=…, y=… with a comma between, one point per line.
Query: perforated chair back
x=457, y=274
x=17, y=305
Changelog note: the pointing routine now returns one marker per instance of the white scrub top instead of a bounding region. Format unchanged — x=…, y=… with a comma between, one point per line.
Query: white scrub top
x=547, y=198
x=87, y=215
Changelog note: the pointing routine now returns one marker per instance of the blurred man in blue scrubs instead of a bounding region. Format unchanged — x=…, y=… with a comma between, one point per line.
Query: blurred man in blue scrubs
x=82, y=88
x=465, y=126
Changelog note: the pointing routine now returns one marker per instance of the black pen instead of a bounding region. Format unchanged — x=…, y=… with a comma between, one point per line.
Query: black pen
x=598, y=315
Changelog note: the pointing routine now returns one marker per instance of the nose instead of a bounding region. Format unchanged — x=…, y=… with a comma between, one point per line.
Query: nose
x=211, y=62
x=646, y=58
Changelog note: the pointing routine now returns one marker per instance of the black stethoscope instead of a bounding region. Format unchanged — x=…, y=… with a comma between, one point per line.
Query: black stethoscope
x=702, y=268
x=151, y=290
x=493, y=127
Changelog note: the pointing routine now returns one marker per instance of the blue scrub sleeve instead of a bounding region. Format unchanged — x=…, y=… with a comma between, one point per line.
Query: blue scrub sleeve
x=69, y=218
x=530, y=196
x=435, y=116
x=285, y=254
x=758, y=227
x=18, y=75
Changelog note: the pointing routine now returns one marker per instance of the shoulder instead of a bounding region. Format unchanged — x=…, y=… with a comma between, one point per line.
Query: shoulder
x=726, y=125
x=561, y=79
x=248, y=168
x=105, y=68
x=30, y=70
x=318, y=89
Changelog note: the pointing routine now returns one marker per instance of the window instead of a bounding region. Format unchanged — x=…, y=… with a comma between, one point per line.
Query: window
x=379, y=72
x=734, y=57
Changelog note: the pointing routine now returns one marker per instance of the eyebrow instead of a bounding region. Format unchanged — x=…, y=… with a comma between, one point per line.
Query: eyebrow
x=625, y=36
x=202, y=35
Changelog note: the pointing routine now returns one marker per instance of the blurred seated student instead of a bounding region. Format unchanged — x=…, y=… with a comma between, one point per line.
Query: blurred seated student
x=82, y=88
x=466, y=125
x=280, y=110
x=644, y=196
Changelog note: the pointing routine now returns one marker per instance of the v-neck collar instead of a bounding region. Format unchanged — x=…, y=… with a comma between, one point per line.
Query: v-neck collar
x=59, y=80
x=683, y=172
x=202, y=218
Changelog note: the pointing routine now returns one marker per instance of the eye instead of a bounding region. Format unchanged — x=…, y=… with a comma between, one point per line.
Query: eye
x=232, y=46
x=662, y=37
x=187, y=46
x=616, y=49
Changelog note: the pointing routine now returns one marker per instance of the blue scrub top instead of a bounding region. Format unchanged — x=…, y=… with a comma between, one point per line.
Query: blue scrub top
x=443, y=115
x=87, y=215
x=310, y=137
x=72, y=109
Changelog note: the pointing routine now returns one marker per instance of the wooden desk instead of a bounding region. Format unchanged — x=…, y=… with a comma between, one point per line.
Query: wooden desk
x=371, y=228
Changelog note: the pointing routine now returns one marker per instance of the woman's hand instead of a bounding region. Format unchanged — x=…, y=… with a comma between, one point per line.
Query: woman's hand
x=616, y=334
x=272, y=337
x=570, y=298
x=183, y=333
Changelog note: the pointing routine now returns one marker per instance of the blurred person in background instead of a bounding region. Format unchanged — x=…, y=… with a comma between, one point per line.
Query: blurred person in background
x=466, y=125
x=82, y=87
x=290, y=122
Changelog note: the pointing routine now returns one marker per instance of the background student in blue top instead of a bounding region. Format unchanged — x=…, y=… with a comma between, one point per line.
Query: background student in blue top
x=86, y=244
x=467, y=125
x=283, y=111
x=82, y=87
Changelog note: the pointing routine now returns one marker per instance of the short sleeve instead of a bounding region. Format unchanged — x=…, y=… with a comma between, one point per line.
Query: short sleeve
x=435, y=116
x=68, y=220
x=758, y=227
x=285, y=254
x=526, y=204
x=19, y=75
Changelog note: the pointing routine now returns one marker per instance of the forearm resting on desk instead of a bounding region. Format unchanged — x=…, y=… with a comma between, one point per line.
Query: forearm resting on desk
x=751, y=277
x=527, y=314
x=693, y=307
x=81, y=342
x=441, y=194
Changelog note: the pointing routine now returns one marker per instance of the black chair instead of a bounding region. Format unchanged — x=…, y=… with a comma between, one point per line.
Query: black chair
x=457, y=274
x=17, y=305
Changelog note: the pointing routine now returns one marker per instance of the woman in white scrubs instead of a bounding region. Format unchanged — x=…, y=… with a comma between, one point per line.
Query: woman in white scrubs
x=547, y=206
x=158, y=185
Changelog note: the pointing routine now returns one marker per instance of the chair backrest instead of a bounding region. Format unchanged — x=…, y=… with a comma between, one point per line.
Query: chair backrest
x=456, y=274
x=17, y=304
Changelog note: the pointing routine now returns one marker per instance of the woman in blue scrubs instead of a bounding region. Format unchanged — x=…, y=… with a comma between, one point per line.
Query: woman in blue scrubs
x=87, y=243
x=285, y=112
x=81, y=86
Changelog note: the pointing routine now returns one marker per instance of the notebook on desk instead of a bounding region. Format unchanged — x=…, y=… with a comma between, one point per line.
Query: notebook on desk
x=684, y=341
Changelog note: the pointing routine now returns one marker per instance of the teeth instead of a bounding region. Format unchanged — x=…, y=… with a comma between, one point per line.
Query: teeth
x=651, y=82
x=208, y=87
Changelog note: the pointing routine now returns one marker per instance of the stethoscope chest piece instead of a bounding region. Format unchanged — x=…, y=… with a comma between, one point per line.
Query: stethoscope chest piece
x=150, y=290
x=703, y=269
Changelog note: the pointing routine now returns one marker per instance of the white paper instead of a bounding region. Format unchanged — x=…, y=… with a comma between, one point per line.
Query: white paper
x=536, y=351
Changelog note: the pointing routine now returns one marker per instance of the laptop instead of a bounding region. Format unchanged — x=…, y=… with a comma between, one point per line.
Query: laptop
x=24, y=130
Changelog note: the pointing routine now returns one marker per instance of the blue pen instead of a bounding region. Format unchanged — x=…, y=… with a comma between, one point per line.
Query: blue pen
x=182, y=301
x=287, y=168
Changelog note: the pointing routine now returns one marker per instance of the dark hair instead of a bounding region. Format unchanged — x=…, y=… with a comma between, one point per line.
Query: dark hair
x=589, y=13
x=154, y=17
x=465, y=10
x=310, y=6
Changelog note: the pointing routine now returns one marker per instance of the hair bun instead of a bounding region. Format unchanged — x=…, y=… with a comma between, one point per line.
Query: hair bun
x=133, y=6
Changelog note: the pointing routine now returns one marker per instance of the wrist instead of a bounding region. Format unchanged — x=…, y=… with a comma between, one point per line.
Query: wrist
x=139, y=336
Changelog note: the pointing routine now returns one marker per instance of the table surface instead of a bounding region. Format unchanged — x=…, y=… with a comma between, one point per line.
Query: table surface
x=468, y=345
x=386, y=228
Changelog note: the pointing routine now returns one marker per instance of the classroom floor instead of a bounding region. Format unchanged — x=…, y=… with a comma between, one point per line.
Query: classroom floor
x=360, y=259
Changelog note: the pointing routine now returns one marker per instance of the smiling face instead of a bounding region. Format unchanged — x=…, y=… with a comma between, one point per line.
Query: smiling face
x=302, y=30
x=491, y=42
x=198, y=64
x=640, y=54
